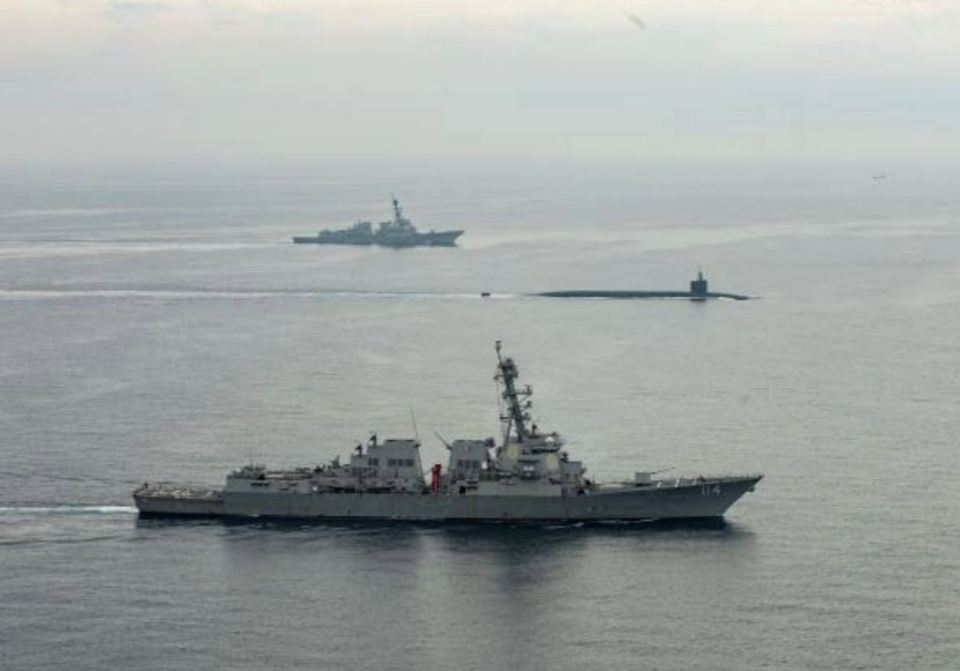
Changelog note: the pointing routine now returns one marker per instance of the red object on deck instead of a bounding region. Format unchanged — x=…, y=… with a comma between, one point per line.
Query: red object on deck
x=435, y=478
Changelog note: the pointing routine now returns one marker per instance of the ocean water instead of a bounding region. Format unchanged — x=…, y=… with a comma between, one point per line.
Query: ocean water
x=164, y=328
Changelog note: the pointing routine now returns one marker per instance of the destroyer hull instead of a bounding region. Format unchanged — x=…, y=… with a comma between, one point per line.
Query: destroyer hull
x=690, y=500
x=152, y=506
x=435, y=239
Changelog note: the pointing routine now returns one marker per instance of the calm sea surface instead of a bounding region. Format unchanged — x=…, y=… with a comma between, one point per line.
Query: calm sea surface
x=165, y=329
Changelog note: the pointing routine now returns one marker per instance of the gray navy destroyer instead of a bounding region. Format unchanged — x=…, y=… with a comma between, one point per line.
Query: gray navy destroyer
x=398, y=232
x=527, y=477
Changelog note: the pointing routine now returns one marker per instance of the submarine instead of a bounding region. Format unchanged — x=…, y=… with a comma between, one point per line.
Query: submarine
x=699, y=291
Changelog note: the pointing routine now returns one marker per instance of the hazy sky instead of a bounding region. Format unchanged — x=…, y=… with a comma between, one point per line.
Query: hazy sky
x=320, y=80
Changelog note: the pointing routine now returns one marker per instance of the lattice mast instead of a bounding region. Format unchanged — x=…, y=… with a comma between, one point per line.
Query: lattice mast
x=517, y=399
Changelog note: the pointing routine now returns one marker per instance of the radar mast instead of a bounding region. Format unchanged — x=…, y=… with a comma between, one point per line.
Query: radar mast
x=518, y=400
x=397, y=210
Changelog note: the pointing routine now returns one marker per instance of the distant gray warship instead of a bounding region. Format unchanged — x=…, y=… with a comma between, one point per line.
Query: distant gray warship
x=399, y=232
x=529, y=477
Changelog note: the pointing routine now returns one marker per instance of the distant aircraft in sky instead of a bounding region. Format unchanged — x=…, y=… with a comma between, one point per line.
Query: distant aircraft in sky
x=637, y=21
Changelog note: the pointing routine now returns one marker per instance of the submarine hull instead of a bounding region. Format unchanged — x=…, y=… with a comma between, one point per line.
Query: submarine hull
x=601, y=293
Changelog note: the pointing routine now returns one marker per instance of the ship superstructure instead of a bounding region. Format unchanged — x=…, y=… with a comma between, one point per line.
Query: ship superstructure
x=397, y=232
x=526, y=476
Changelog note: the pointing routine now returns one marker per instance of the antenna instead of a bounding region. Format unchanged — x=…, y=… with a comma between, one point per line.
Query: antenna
x=442, y=439
x=413, y=420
